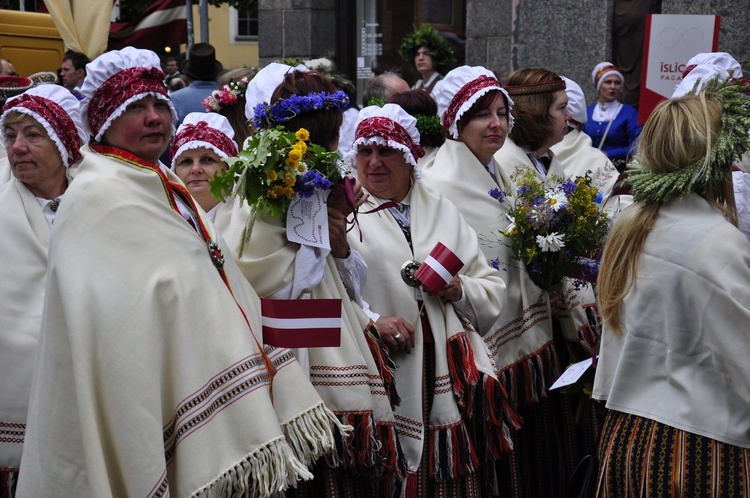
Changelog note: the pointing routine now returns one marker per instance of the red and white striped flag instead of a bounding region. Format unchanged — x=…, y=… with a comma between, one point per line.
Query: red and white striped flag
x=438, y=269
x=163, y=23
x=301, y=323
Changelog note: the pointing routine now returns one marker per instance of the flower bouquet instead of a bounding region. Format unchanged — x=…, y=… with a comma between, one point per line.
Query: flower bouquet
x=225, y=96
x=556, y=227
x=275, y=167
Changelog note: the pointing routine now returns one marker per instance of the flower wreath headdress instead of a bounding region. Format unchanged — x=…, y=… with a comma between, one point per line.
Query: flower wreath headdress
x=225, y=96
x=733, y=140
x=267, y=115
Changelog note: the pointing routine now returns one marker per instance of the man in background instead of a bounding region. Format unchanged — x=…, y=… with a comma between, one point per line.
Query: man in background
x=201, y=69
x=73, y=71
x=7, y=69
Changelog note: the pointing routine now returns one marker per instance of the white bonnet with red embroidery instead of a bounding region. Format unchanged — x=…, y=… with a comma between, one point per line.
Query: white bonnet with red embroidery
x=459, y=91
x=705, y=67
x=389, y=126
x=115, y=80
x=204, y=130
x=58, y=112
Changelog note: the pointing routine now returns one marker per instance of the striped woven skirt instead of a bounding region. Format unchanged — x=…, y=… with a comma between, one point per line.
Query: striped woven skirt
x=640, y=457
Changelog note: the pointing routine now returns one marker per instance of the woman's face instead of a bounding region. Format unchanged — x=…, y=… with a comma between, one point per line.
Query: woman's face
x=486, y=132
x=610, y=89
x=559, y=117
x=34, y=158
x=143, y=129
x=383, y=171
x=196, y=167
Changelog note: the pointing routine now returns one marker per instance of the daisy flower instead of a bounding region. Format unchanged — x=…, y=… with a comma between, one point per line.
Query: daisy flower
x=550, y=243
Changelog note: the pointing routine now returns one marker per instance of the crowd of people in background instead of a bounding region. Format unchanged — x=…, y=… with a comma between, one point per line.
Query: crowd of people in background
x=134, y=358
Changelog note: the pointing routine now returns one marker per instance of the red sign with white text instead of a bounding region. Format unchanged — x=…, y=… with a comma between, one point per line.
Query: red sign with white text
x=670, y=41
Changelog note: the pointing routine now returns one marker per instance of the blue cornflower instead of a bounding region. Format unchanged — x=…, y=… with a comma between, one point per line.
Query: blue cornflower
x=498, y=194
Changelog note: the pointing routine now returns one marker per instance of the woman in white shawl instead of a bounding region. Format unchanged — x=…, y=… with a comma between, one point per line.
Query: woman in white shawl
x=355, y=380
x=674, y=287
x=198, y=150
x=43, y=134
x=150, y=379
x=453, y=412
x=554, y=440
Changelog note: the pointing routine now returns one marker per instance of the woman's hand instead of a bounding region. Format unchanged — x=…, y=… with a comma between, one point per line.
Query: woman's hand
x=396, y=332
x=337, y=233
x=338, y=197
x=452, y=292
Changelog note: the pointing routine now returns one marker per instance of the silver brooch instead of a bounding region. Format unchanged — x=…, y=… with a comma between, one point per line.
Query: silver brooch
x=216, y=255
x=408, y=270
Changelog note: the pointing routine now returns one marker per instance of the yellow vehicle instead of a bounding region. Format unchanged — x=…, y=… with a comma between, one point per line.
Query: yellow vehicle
x=30, y=41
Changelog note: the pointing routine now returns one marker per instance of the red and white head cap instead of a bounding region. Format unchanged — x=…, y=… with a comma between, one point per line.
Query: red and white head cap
x=602, y=70
x=115, y=80
x=459, y=91
x=58, y=112
x=389, y=126
x=204, y=130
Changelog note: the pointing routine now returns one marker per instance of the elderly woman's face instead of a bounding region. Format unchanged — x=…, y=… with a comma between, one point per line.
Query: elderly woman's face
x=143, y=129
x=196, y=167
x=610, y=88
x=33, y=156
x=486, y=132
x=383, y=171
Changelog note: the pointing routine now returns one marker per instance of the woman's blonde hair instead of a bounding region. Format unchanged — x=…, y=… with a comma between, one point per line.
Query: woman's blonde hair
x=679, y=133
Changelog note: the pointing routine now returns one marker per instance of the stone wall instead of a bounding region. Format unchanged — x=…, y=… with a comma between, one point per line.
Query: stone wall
x=571, y=36
x=296, y=28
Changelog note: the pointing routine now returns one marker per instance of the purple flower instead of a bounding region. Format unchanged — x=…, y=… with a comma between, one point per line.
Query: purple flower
x=523, y=190
x=567, y=187
x=495, y=263
x=498, y=194
x=312, y=180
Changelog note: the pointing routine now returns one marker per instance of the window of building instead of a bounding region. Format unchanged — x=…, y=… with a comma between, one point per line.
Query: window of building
x=22, y=5
x=243, y=25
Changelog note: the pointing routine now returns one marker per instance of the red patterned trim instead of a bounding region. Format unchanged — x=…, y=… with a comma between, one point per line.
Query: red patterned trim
x=119, y=88
x=688, y=70
x=536, y=88
x=606, y=69
x=380, y=126
x=58, y=119
x=220, y=392
x=201, y=131
x=463, y=95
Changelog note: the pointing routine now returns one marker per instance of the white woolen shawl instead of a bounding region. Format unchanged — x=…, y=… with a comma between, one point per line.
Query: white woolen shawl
x=684, y=358
x=576, y=326
x=578, y=157
x=149, y=382
x=348, y=377
x=22, y=278
x=523, y=328
x=433, y=219
x=5, y=172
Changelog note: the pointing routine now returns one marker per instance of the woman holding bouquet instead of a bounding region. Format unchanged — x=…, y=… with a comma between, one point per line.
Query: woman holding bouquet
x=453, y=411
x=674, y=287
x=355, y=380
x=540, y=115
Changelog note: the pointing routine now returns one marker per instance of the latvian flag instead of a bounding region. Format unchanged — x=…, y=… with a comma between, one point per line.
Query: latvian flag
x=163, y=23
x=301, y=323
x=438, y=269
